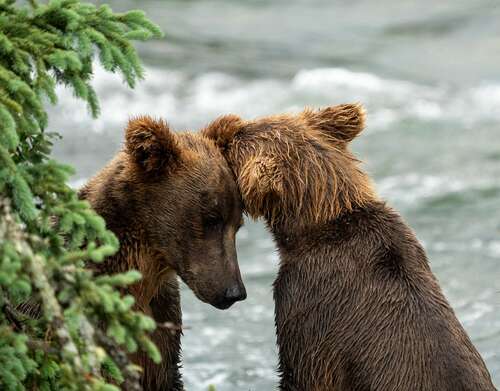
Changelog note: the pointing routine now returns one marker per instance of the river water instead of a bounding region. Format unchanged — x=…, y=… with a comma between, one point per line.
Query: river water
x=429, y=75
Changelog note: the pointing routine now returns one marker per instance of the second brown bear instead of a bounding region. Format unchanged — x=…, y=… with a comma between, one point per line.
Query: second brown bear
x=357, y=306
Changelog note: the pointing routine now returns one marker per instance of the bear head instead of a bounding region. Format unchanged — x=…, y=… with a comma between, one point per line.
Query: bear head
x=172, y=201
x=295, y=170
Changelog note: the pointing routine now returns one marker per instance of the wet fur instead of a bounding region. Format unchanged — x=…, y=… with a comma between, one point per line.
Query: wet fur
x=154, y=196
x=284, y=173
x=357, y=306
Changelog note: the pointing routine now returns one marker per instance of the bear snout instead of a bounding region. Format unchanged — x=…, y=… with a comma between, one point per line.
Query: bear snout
x=234, y=293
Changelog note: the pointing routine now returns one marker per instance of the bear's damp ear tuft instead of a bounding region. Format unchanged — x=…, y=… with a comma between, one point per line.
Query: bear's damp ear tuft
x=223, y=129
x=151, y=143
x=341, y=122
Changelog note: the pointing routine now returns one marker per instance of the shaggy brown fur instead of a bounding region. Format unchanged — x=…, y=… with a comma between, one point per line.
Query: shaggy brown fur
x=357, y=306
x=172, y=202
x=290, y=176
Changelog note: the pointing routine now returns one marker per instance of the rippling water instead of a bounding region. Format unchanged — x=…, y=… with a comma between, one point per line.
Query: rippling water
x=428, y=73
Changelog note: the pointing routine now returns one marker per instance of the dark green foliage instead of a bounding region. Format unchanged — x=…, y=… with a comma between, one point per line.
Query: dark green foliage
x=75, y=328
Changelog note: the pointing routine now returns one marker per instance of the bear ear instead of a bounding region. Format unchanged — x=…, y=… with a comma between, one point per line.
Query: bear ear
x=223, y=129
x=342, y=122
x=151, y=143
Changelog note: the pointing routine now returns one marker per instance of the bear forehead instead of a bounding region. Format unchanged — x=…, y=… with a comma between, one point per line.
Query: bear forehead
x=205, y=163
x=281, y=131
x=283, y=145
x=198, y=144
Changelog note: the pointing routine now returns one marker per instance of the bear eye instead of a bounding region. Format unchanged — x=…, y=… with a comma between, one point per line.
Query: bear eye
x=213, y=222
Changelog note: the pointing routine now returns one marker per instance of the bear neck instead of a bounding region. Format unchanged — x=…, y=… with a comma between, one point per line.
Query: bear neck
x=329, y=191
x=290, y=236
x=332, y=208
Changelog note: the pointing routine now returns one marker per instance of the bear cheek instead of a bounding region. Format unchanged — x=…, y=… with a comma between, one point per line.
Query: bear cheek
x=261, y=185
x=198, y=268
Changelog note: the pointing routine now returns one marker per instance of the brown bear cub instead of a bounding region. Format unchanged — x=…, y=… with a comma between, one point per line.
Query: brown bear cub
x=172, y=201
x=357, y=306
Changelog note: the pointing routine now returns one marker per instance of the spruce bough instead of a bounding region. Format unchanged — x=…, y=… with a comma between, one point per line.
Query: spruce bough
x=61, y=327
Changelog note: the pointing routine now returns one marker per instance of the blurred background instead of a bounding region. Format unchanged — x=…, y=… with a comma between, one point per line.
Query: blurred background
x=429, y=75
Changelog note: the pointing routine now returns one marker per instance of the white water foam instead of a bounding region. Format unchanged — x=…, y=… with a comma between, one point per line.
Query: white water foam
x=192, y=101
x=411, y=188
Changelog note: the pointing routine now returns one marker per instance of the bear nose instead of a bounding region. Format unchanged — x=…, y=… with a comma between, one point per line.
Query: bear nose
x=235, y=293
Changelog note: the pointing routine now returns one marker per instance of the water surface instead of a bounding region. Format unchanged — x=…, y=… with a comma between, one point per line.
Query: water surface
x=428, y=73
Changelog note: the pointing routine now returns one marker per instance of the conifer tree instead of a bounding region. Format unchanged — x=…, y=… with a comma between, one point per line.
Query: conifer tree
x=74, y=330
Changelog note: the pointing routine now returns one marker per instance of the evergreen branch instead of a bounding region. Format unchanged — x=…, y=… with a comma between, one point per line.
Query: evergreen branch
x=46, y=233
x=131, y=379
